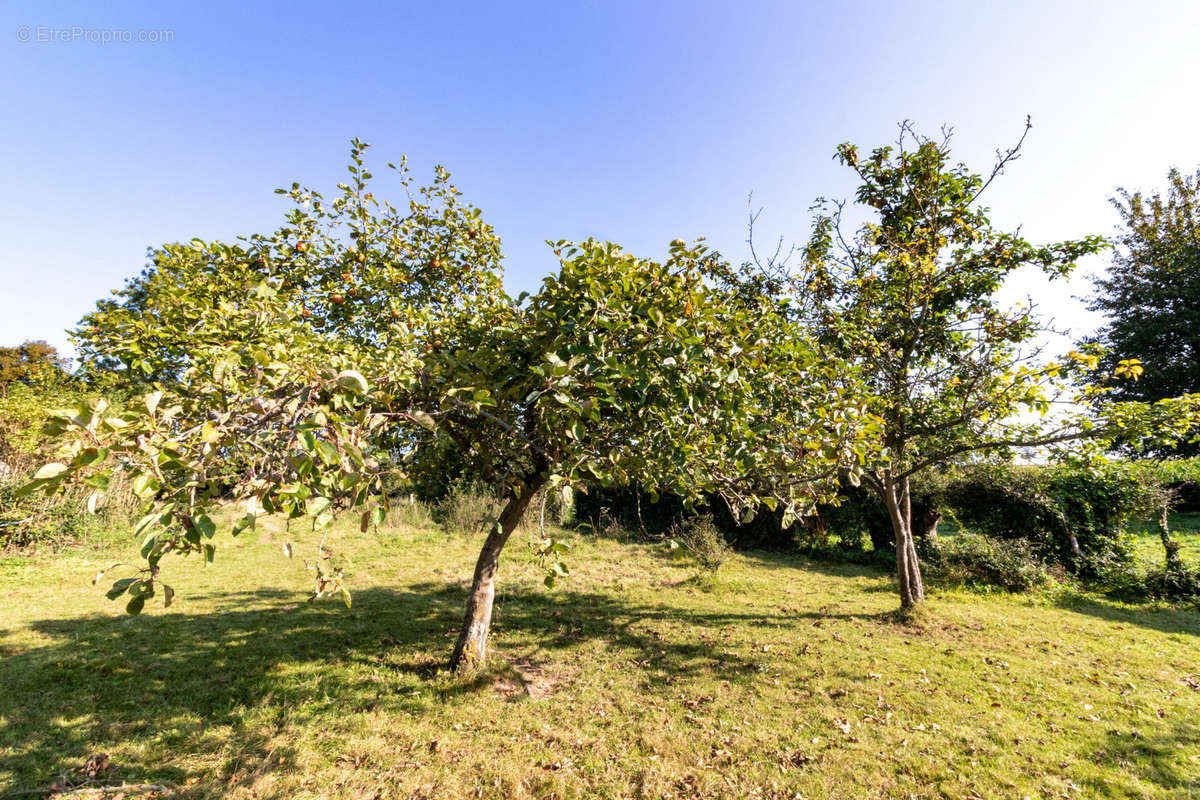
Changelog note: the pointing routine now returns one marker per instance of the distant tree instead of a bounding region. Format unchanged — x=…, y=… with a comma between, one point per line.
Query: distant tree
x=32, y=362
x=1151, y=295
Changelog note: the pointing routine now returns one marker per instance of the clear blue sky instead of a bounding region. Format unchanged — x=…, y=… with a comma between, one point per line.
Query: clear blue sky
x=635, y=122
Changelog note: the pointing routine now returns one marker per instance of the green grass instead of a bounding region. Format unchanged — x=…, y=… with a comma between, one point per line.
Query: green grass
x=637, y=677
x=1185, y=528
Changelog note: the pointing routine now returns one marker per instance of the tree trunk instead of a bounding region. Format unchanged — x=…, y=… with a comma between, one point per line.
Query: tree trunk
x=471, y=649
x=897, y=498
x=1174, y=563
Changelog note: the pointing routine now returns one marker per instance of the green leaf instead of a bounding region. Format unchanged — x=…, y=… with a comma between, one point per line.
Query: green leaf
x=135, y=605
x=168, y=596
x=346, y=596
x=210, y=552
x=424, y=420
x=52, y=470
x=148, y=543
x=352, y=379
x=207, y=528
x=151, y=402
x=98, y=482
x=26, y=489
x=146, y=521
x=119, y=588
x=145, y=485
x=655, y=315
x=91, y=455
x=248, y=521
x=328, y=452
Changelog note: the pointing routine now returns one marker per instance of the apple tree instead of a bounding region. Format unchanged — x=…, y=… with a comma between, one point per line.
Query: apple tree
x=300, y=372
x=949, y=371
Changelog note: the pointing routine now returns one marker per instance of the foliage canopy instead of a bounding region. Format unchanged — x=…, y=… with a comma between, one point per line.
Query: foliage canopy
x=301, y=371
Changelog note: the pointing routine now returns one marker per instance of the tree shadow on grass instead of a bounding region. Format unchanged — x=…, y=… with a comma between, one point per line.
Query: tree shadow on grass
x=1159, y=759
x=1166, y=620
x=183, y=685
x=832, y=567
x=1180, y=620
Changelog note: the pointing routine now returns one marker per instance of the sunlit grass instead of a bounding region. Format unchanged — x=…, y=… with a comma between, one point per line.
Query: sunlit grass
x=635, y=678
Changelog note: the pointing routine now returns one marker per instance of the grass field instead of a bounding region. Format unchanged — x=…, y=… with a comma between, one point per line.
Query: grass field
x=637, y=677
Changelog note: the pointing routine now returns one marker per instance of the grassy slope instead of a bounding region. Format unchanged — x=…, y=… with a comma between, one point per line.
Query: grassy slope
x=633, y=679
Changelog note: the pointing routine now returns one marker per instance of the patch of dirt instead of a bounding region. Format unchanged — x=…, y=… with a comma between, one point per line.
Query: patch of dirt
x=524, y=678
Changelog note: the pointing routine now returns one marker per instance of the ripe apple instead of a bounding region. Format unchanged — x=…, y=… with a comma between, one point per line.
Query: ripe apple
x=337, y=299
x=301, y=247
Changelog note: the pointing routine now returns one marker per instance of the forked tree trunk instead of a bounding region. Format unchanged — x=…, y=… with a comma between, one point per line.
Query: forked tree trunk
x=471, y=649
x=908, y=569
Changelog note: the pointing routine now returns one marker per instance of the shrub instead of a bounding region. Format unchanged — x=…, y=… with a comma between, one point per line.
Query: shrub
x=1076, y=516
x=1097, y=504
x=63, y=520
x=630, y=509
x=410, y=512
x=467, y=508
x=654, y=517
x=860, y=518
x=699, y=538
x=1011, y=564
x=58, y=520
x=1178, y=583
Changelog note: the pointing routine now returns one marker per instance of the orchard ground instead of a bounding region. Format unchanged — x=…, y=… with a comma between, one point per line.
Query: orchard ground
x=636, y=677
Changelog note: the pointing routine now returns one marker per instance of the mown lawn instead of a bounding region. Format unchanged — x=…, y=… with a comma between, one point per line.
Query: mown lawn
x=634, y=678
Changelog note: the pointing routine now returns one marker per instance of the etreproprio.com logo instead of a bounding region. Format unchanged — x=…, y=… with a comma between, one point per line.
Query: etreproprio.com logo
x=48, y=34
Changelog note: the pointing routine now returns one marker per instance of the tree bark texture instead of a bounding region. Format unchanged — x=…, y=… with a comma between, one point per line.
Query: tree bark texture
x=897, y=498
x=470, y=651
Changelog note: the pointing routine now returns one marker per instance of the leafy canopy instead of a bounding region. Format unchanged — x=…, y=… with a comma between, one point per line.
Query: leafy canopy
x=302, y=371
x=910, y=298
x=1151, y=295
